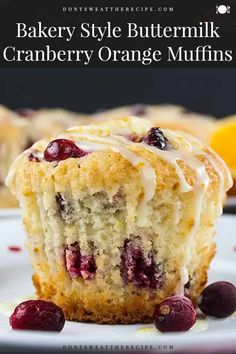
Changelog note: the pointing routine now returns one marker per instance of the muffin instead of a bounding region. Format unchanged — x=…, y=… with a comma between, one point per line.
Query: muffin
x=20, y=129
x=165, y=116
x=46, y=122
x=14, y=138
x=119, y=216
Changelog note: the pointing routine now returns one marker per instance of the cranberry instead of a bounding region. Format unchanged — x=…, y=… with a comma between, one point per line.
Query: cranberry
x=72, y=259
x=87, y=267
x=62, y=149
x=133, y=137
x=61, y=203
x=79, y=265
x=14, y=248
x=138, y=110
x=139, y=268
x=174, y=314
x=33, y=158
x=218, y=299
x=25, y=112
x=37, y=315
x=155, y=137
x=65, y=208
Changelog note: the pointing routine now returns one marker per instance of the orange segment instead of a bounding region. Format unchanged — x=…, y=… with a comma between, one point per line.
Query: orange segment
x=223, y=141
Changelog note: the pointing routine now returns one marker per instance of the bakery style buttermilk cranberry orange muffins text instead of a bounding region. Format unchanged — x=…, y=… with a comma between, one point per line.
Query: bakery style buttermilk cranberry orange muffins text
x=119, y=216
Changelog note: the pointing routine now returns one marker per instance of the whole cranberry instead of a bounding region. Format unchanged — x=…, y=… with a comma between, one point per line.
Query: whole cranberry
x=62, y=149
x=155, y=137
x=174, y=314
x=37, y=315
x=218, y=299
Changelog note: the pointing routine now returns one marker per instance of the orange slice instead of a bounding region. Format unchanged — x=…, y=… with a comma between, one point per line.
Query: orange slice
x=223, y=141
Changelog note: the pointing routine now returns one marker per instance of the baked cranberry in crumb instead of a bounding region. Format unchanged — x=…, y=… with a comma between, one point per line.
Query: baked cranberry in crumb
x=133, y=137
x=33, y=158
x=155, y=137
x=218, y=299
x=37, y=315
x=87, y=267
x=138, y=267
x=25, y=112
x=174, y=314
x=79, y=265
x=62, y=149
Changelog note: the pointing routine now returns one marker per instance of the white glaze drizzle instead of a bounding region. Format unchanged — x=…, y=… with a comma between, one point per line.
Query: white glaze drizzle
x=212, y=157
x=148, y=177
x=171, y=157
x=221, y=182
x=184, y=278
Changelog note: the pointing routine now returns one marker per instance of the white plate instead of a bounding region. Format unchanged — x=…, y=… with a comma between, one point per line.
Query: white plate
x=209, y=336
x=9, y=212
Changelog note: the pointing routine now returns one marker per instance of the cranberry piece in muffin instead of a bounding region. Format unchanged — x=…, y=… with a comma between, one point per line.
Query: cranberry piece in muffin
x=37, y=315
x=133, y=137
x=174, y=314
x=87, y=267
x=62, y=149
x=79, y=265
x=65, y=208
x=139, y=268
x=155, y=137
x=33, y=157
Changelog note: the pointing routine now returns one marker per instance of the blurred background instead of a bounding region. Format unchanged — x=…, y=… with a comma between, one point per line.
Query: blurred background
x=210, y=91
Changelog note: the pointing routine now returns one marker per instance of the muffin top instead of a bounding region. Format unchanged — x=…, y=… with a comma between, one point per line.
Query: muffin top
x=128, y=153
x=45, y=121
x=10, y=118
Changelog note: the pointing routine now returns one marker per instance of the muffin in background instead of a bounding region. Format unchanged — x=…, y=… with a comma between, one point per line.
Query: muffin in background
x=46, y=122
x=14, y=138
x=20, y=129
x=165, y=116
x=119, y=216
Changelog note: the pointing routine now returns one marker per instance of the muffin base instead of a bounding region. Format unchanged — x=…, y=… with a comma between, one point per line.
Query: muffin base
x=93, y=306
